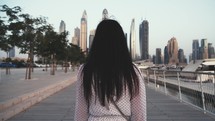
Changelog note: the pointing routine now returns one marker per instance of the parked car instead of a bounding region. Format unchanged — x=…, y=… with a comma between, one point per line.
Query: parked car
x=4, y=65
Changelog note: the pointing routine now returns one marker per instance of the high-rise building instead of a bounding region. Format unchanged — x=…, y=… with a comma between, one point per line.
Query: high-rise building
x=154, y=59
x=190, y=57
x=83, y=32
x=166, y=55
x=204, y=48
x=158, y=57
x=181, y=56
x=105, y=14
x=12, y=52
x=91, y=37
x=76, y=37
x=173, y=51
x=133, y=40
x=195, y=50
x=144, y=40
x=62, y=27
x=211, y=53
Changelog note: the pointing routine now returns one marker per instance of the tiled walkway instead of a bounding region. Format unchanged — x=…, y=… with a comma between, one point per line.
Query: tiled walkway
x=60, y=107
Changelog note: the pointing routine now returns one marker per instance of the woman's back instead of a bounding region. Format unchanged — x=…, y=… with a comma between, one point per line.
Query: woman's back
x=109, y=75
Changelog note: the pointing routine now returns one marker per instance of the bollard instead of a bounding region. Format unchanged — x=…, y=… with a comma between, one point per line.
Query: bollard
x=179, y=87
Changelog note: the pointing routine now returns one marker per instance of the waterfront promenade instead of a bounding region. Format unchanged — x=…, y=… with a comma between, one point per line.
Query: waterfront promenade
x=60, y=105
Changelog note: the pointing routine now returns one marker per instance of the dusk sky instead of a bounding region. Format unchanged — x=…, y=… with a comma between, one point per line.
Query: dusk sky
x=185, y=20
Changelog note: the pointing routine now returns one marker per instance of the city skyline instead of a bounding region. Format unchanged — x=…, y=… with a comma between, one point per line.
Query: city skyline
x=185, y=20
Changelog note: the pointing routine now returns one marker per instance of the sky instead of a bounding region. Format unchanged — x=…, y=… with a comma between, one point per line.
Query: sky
x=185, y=20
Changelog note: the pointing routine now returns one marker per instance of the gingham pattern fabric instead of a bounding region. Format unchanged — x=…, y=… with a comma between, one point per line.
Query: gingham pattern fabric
x=136, y=108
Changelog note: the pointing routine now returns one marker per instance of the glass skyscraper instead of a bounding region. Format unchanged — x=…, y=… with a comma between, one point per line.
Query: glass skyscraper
x=144, y=40
x=195, y=50
x=166, y=55
x=158, y=56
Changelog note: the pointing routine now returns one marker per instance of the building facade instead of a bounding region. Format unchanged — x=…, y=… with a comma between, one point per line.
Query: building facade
x=83, y=32
x=204, y=49
x=195, y=50
x=181, y=57
x=76, y=37
x=166, y=55
x=105, y=14
x=158, y=58
x=91, y=37
x=62, y=27
x=211, y=53
x=12, y=52
x=144, y=39
x=173, y=51
x=133, y=40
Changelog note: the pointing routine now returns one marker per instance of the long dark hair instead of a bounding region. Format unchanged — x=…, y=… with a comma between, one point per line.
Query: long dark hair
x=109, y=69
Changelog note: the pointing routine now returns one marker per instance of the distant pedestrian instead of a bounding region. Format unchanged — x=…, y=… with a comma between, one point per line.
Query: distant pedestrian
x=109, y=86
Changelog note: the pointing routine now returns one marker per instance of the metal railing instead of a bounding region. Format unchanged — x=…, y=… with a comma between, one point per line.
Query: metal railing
x=195, y=88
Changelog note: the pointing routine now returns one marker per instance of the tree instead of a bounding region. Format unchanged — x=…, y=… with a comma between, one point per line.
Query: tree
x=9, y=29
x=21, y=30
x=75, y=54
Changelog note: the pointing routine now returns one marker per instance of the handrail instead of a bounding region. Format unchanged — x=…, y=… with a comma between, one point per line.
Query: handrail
x=198, y=91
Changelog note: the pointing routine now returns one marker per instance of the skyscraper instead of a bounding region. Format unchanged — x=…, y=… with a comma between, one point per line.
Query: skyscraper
x=166, y=55
x=144, y=40
x=12, y=52
x=204, y=48
x=83, y=32
x=173, y=51
x=133, y=40
x=91, y=37
x=76, y=37
x=104, y=14
x=62, y=27
x=195, y=50
x=158, y=56
x=211, y=53
x=181, y=57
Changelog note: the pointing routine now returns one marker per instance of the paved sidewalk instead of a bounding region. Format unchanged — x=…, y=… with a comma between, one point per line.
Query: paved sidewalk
x=15, y=84
x=17, y=94
x=60, y=107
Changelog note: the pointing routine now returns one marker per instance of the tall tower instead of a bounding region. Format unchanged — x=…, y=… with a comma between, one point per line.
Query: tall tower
x=76, y=37
x=104, y=14
x=144, y=39
x=12, y=52
x=91, y=37
x=166, y=55
x=158, y=56
x=133, y=40
x=195, y=51
x=204, y=48
x=62, y=27
x=181, y=57
x=173, y=51
x=83, y=32
x=211, y=53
